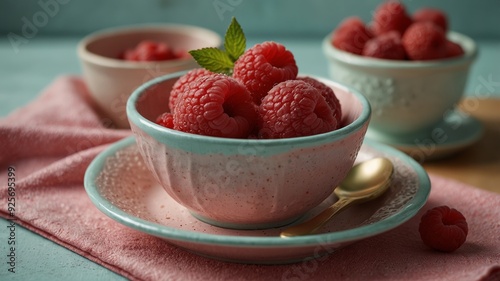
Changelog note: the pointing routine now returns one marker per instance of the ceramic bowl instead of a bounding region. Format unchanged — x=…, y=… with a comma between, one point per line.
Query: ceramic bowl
x=245, y=183
x=407, y=97
x=111, y=80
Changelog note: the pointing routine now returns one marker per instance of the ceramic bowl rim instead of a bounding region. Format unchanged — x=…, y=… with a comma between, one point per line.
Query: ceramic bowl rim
x=467, y=43
x=156, y=130
x=91, y=57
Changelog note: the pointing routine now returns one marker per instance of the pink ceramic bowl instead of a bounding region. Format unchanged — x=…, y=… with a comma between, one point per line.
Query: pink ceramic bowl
x=246, y=183
x=112, y=80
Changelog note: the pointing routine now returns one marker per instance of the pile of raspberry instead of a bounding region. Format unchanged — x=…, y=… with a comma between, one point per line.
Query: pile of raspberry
x=152, y=51
x=396, y=35
x=262, y=99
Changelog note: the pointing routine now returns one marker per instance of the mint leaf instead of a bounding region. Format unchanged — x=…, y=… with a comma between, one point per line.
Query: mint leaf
x=213, y=59
x=234, y=40
x=222, y=61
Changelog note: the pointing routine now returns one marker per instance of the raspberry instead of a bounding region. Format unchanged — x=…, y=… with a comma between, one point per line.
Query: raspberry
x=443, y=229
x=351, y=35
x=433, y=15
x=329, y=96
x=493, y=274
x=424, y=41
x=166, y=120
x=385, y=46
x=391, y=16
x=294, y=108
x=150, y=51
x=453, y=49
x=216, y=105
x=180, y=84
x=263, y=66
x=182, y=54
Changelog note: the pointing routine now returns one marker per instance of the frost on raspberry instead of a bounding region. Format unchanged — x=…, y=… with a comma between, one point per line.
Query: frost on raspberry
x=216, y=105
x=391, y=16
x=294, y=108
x=263, y=66
x=179, y=87
x=385, y=46
x=351, y=35
x=330, y=97
x=443, y=228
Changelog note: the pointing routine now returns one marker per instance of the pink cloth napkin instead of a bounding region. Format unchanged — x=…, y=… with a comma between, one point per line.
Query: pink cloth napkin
x=51, y=141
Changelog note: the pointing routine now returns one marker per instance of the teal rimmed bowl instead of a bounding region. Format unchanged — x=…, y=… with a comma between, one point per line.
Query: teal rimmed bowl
x=408, y=98
x=245, y=183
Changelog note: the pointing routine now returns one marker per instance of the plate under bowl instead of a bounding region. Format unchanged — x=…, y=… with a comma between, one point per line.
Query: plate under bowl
x=119, y=184
x=455, y=133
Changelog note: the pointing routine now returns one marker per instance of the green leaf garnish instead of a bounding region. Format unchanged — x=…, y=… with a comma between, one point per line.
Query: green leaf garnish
x=213, y=59
x=234, y=40
x=222, y=61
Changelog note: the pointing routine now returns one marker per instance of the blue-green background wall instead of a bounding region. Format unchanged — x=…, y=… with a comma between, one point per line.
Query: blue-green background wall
x=479, y=19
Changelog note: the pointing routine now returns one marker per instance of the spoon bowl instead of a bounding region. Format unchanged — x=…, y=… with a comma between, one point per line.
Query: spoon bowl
x=366, y=181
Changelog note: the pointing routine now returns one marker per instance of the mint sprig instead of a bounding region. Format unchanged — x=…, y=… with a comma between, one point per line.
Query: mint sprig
x=234, y=41
x=222, y=61
x=213, y=59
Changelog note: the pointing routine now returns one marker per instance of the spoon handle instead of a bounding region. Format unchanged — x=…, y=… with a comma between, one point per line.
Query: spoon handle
x=318, y=221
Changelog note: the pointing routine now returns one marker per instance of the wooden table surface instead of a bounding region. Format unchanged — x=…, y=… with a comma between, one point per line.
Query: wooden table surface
x=479, y=164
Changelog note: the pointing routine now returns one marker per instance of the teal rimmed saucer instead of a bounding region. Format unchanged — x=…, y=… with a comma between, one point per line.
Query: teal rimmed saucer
x=119, y=184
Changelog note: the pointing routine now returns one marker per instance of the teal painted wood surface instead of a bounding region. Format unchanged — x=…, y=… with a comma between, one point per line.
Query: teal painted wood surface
x=42, y=260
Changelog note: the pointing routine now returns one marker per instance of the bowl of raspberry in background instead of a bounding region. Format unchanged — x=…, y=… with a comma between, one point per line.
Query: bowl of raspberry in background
x=251, y=181
x=116, y=61
x=410, y=66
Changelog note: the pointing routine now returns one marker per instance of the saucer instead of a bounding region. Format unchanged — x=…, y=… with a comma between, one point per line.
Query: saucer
x=119, y=184
x=456, y=132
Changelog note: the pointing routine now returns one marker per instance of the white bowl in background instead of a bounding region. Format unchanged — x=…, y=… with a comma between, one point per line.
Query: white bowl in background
x=112, y=80
x=407, y=97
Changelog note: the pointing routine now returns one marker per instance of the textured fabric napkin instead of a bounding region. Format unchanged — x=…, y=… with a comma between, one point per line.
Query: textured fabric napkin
x=51, y=141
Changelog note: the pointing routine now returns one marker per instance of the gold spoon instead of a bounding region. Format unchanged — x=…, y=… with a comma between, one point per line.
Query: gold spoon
x=364, y=182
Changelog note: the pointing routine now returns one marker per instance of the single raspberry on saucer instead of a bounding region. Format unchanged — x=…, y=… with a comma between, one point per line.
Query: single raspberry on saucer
x=330, y=97
x=351, y=35
x=263, y=66
x=294, y=108
x=424, y=41
x=435, y=16
x=385, y=46
x=443, y=228
x=390, y=16
x=166, y=120
x=179, y=87
x=453, y=49
x=150, y=51
x=216, y=105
